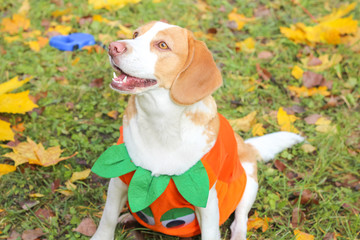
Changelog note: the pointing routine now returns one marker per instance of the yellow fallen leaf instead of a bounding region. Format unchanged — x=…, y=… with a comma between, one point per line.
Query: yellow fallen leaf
x=12, y=84
x=124, y=32
x=10, y=39
x=111, y=4
x=35, y=154
x=325, y=62
x=296, y=33
x=64, y=30
x=5, y=169
x=297, y=72
x=324, y=125
x=243, y=124
x=58, y=13
x=106, y=38
x=285, y=121
x=65, y=192
x=258, y=130
x=36, y=195
x=34, y=45
x=338, y=13
x=248, y=45
x=75, y=61
x=25, y=7
x=80, y=175
x=202, y=6
x=31, y=34
x=331, y=29
x=353, y=41
x=308, y=92
x=15, y=24
x=6, y=134
x=69, y=185
x=113, y=114
x=322, y=121
x=308, y=148
x=240, y=19
x=16, y=103
x=302, y=236
x=255, y=222
x=43, y=41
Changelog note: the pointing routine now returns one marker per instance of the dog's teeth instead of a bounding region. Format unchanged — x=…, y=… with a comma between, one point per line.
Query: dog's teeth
x=114, y=75
x=125, y=79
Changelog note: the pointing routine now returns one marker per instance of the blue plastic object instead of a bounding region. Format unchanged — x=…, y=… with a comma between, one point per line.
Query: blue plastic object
x=72, y=42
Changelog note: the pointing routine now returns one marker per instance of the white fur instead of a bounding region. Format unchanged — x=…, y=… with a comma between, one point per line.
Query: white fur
x=239, y=225
x=271, y=144
x=209, y=217
x=162, y=138
x=116, y=199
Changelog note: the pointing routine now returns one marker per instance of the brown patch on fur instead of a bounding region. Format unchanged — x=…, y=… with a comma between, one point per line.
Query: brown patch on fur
x=200, y=76
x=212, y=129
x=209, y=120
x=170, y=62
x=130, y=111
x=143, y=29
x=247, y=154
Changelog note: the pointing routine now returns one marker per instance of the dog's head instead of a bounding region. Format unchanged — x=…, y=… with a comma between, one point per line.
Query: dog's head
x=166, y=56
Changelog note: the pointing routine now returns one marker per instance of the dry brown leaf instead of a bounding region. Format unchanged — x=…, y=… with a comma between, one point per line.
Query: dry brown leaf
x=97, y=82
x=87, y=227
x=32, y=234
x=265, y=55
x=14, y=235
x=263, y=73
x=298, y=216
x=314, y=61
x=44, y=213
x=311, y=79
x=312, y=118
x=280, y=165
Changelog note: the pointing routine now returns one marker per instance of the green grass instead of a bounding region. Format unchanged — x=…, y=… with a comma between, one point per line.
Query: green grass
x=87, y=129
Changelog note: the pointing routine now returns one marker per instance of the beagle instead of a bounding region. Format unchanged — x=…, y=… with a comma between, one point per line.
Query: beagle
x=178, y=165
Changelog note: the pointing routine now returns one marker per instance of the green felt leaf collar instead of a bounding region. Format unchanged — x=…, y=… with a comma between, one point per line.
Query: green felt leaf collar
x=144, y=188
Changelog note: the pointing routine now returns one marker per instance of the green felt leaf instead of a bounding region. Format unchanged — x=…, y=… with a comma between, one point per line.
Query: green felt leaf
x=144, y=189
x=176, y=213
x=114, y=162
x=193, y=185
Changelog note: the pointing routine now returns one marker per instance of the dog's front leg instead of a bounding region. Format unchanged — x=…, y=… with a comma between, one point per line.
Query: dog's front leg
x=116, y=199
x=209, y=216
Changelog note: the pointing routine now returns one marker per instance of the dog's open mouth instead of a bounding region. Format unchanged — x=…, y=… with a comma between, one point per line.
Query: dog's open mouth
x=125, y=83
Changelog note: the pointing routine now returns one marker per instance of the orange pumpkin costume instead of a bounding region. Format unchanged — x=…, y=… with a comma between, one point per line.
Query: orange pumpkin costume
x=222, y=166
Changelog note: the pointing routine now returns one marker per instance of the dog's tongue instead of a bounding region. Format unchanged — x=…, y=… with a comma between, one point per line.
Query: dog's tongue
x=125, y=82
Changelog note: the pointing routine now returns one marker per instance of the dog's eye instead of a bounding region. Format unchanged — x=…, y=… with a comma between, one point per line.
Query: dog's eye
x=163, y=45
x=135, y=35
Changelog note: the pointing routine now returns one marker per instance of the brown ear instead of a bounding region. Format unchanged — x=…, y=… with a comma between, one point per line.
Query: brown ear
x=200, y=76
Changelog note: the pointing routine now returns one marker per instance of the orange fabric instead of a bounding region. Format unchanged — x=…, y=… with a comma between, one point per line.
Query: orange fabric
x=222, y=166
